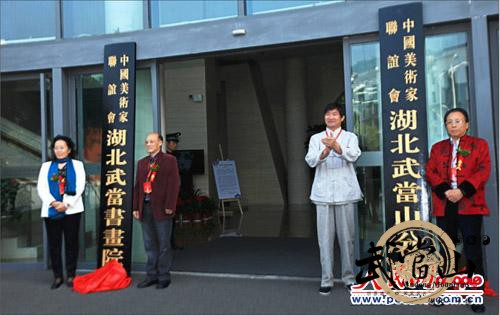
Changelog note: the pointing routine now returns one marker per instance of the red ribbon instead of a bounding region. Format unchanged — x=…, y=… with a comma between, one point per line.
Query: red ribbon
x=62, y=183
x=150, y=178
x=331, y=134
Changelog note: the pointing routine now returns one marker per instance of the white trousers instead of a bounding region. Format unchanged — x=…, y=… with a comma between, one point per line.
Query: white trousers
x=340, y=219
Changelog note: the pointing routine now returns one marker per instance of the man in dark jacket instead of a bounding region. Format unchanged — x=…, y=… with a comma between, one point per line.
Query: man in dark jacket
x=155, y=197
x=172, y=139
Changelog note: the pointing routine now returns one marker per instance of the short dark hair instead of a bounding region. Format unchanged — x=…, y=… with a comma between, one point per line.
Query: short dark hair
x=334, y=106
x=69, y=143
x=458, y=110
x=160, y=137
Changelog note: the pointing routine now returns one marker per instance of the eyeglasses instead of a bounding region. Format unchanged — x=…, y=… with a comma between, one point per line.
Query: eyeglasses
x=455, y=121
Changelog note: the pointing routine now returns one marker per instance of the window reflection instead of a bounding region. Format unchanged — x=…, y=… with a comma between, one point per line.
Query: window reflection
x=87, y=18
x=262, y=6
x=447, y=80
x=20, y=160
x=164, y=13
x=22, y=21
x=365, y=85
x=371, y=208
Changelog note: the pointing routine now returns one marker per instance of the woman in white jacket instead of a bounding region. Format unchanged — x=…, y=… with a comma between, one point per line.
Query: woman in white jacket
x=60, y=186
x=335, y=190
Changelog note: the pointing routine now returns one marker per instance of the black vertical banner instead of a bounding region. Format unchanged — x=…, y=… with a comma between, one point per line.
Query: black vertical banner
x=117, y=162
x=404, y=118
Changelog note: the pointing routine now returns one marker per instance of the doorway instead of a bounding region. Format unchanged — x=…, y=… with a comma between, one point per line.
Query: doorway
x=258, y=108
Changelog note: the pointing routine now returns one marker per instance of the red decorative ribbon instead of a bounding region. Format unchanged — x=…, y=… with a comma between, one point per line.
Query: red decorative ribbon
x=62, y=183
x=489, y=291
x=150, y=178
x=331, y=134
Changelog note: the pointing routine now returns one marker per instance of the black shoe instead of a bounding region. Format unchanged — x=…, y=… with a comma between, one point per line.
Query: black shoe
x=348, y=287
x=325, y=290
x=163, y=284
x=147, y=283
x=57, y=283
x=69, y=282
x=478, y=308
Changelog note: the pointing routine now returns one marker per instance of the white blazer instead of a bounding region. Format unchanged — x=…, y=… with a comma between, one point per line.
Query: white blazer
x=335, y=179
x=74, y=203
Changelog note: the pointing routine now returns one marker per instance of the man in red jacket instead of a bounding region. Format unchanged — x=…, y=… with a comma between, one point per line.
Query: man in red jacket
x=155, y=197
x=457, y=171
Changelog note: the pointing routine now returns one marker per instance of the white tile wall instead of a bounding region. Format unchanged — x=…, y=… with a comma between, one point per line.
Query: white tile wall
x=181, y=114
x=247, y=140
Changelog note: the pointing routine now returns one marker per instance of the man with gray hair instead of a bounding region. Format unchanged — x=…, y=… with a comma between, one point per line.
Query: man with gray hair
x=155, y=198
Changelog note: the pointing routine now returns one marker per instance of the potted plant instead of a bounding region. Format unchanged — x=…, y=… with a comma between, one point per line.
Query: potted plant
x=197, y=202
x=209, y=206
x=195, y=207
x=184, y=207
x=9, y=189
x=196, y=211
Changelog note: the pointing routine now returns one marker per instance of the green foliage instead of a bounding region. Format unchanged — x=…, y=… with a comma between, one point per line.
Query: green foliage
x=9, y=189
x=195, y=202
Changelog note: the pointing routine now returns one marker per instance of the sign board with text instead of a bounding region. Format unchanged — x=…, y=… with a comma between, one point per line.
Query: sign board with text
x=404, y=118
x=226, y=179
x=117, y=161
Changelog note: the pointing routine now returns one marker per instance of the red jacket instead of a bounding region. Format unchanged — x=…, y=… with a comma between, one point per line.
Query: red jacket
x=471, y=178
x=165, y=186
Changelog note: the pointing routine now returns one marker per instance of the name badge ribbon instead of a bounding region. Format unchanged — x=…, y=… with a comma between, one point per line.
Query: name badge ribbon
x=150, y=178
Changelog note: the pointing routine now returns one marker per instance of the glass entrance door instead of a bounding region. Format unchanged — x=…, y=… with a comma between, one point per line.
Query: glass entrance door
x=89, y=98
x=23, y=147
x=447, y=85
x=362, y=85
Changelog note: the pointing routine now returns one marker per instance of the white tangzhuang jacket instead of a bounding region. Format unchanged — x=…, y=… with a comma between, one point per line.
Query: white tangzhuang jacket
x=335, y=179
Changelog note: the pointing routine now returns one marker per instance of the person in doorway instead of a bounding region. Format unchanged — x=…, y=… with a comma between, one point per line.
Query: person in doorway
x=61, y=183
x=457, y=171
x=172, y=140
x=335, y=191
x=155, y=197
